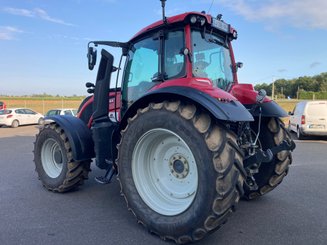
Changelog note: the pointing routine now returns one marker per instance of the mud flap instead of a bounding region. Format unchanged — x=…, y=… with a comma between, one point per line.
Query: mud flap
x=78, y=134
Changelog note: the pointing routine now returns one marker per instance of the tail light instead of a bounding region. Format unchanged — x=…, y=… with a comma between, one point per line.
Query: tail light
x=9, y=116
x=303, y=119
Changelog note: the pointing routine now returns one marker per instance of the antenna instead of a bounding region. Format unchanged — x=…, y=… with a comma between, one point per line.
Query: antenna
x=163, y=4
x=211, y=6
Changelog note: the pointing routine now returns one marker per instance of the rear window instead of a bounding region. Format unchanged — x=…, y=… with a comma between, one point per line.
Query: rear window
x=317, y=109
x=53, y=112
x=5, y=112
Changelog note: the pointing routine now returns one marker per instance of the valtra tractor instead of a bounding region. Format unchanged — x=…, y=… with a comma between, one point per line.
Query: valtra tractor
x=184, y=138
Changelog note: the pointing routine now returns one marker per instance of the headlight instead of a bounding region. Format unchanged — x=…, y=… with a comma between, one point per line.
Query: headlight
x=193, y=19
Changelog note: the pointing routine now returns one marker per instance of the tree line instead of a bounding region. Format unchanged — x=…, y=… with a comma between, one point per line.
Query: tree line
x=292, y=88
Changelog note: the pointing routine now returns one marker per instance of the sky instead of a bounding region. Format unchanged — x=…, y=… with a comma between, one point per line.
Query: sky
x=43, y=43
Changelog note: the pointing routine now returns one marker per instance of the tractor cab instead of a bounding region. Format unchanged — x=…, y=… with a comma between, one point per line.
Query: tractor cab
x=188, y=50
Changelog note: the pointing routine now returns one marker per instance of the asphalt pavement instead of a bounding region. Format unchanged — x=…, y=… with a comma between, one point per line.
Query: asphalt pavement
x=294, y=213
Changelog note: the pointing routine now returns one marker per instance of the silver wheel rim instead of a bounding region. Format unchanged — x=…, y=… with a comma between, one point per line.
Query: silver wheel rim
x=15, y=124
x=164, y=172
x=52, y=158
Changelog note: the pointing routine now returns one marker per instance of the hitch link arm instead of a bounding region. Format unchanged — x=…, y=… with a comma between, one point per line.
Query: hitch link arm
x=267, y=155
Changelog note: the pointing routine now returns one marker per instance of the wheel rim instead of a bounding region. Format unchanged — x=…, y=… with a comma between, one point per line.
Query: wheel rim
x=41, y=121
x=52, y=158
x=164, y=172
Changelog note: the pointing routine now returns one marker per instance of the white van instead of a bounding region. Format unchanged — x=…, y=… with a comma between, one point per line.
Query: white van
x=309, y=118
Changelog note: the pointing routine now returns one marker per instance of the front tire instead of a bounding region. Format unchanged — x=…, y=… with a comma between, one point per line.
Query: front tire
x=54, y=164
x=270, y=174
x=179, y=171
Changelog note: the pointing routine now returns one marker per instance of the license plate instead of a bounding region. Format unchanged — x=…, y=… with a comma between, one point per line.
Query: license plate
x=316, y=126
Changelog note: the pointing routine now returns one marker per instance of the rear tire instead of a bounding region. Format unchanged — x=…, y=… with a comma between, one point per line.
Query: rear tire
x=54, y=164
x=270, y=174
x=179, y=171
x=299, y=135
x=15, y=124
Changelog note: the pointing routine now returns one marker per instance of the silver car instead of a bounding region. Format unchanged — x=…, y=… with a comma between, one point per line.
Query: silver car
x=66, y=112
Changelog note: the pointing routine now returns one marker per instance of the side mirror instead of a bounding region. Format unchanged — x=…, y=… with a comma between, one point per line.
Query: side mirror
x=92, y=57
x=237, y=66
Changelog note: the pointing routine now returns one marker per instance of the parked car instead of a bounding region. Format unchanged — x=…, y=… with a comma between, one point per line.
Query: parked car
x=69, y=112
x=14, y=117
x=2, y=105
x=309, y=118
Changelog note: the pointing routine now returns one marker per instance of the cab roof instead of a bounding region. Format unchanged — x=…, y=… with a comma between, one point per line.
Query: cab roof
x=170, y=21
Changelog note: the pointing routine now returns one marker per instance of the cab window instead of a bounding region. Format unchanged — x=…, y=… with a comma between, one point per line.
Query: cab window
x=142, y=66
x=174, y=57
x=212, y=59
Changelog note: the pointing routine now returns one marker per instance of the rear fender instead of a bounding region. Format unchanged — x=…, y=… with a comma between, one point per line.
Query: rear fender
x=78, y=134
x=222, y=110
x=268, y=109
x=246, y=94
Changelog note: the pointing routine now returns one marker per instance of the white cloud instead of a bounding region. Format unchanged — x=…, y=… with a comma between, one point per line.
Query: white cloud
x=8, y=32
x=21, y=12
x=36, y=13
x=281, y=70
x=298, y=13
x=315, y=64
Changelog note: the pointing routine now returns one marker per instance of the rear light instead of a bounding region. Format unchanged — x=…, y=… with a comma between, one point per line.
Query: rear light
x=303, y=119
x=9, y=116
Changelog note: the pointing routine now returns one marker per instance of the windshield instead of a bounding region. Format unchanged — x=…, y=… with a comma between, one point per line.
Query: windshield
x=211, y=59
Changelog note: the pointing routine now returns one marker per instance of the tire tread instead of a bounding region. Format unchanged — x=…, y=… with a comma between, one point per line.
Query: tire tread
x=229, y=180
x=77, y=171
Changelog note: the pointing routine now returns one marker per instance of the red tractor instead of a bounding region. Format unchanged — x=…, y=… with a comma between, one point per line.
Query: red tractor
x=184, y=138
